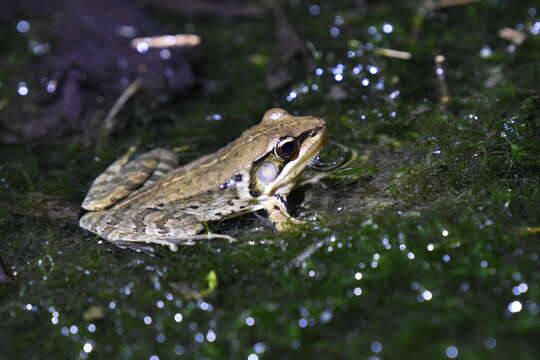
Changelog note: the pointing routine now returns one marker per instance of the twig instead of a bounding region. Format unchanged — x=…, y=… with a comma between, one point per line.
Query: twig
x=440, y=71
x=529, y=230
x=109, y=122
x=516, y=37
x=433, y=5
x=397, y=54
x=304, y=255
x=165, y=41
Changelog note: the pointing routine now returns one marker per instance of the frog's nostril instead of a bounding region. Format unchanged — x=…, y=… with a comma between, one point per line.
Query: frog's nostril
x=315, y=131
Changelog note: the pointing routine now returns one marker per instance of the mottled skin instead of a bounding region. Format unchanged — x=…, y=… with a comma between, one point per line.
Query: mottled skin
x=149, y=200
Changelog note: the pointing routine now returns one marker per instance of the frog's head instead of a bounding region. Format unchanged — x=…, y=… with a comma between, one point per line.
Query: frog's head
x=292, y=143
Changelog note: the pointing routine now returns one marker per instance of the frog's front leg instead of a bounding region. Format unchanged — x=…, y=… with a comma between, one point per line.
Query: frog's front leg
x=276, y=207
x=148, y=225
x=124, y=176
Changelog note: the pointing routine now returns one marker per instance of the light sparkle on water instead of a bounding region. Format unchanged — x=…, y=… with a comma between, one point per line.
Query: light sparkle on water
x=520, y=289
x=87, y=347
x=23, y=89
x=452, y=352
x=387, y=28
x=23, y=26
x=211, y=336
x=515, y=306
x=427, y=295
x=142, y=47
x=376, y=347
x=314, y=9
x=490, y=343
x=178, y=317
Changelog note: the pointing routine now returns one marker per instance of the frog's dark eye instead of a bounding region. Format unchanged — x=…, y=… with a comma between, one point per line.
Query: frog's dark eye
x=287, y=149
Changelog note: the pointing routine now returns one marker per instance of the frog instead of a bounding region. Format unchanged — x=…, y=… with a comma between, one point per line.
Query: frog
x=150, y=199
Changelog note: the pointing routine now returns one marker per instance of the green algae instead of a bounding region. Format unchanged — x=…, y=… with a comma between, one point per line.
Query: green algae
x=441, y=261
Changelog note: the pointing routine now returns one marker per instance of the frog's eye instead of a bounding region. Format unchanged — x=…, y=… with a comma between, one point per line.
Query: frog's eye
x=287, y=149
x=267, y=172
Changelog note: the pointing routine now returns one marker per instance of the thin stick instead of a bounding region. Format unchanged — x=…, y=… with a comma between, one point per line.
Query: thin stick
x=514, y=36
x=165, y=41
x=397, y=54
x=109, y=122
x=433, y=5
x=529, y=230
x=440, y=71
x=304, y=255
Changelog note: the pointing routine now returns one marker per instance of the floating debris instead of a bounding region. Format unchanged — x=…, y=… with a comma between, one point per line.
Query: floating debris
x=434, y=5
x=94, y=312
x=440, y=71
x=164, y=41
x=396, y=54
x=529, y=230
x=516, y=37
x=109, y=123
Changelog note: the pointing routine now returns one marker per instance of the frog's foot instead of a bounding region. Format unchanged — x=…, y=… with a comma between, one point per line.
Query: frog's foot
x=276, y=207
x=164, y=227
x=123, y=177
x=193, y=239
x=167, y=161
x=172, y=243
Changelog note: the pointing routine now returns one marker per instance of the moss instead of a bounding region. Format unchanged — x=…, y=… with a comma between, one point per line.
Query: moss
x=451, y=259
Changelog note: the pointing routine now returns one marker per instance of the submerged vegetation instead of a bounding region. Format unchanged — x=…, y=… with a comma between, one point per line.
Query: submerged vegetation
x=425, y=246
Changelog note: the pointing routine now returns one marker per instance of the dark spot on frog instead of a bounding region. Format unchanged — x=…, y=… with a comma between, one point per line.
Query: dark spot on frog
x=253, y=191
x=238, y=177
x=276, y=207
x=218, y=214
x=194, y=207
x=242, y=206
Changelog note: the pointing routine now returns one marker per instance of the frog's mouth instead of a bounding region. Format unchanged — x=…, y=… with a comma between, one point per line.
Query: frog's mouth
x=312, y=142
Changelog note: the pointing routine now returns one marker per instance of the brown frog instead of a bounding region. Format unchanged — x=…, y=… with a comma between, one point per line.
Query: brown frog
x=149, y=199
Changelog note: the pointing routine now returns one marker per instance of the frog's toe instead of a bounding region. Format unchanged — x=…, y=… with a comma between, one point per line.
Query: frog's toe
x=90, y=220
x=288, y=225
